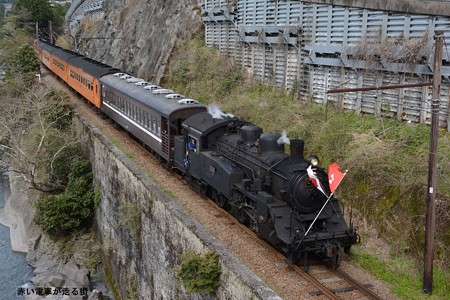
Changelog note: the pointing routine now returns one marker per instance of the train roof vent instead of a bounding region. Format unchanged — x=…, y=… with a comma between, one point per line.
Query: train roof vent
x=152, y=87
x=187, y=101
x=174, y=96
x=162, y=91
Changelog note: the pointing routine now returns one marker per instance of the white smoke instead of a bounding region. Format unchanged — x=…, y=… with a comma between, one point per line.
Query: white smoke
x=216, y=113
x=284, y=139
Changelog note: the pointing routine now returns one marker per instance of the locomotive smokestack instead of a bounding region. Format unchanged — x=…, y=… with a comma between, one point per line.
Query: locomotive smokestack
x=297, y=148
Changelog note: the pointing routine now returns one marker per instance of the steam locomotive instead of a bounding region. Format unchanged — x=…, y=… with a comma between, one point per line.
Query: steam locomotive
x=248, y=173
x=232, y=161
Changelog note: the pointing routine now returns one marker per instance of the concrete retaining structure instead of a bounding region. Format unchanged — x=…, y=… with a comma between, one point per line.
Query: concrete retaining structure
x=427, y=7
x=142, y=261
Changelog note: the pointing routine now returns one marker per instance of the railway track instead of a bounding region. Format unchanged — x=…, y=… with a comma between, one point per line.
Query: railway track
x=336, y=282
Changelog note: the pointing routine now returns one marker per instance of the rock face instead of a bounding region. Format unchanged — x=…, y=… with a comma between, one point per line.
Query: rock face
x=50, y=269
x=138, y=36
x=54, y=271
x=14, y=215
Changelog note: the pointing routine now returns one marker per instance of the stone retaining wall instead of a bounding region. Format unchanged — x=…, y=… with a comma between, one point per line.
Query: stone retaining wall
x=143, y=260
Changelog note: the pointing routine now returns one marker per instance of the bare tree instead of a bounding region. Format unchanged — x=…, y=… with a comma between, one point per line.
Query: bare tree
x=34, y=131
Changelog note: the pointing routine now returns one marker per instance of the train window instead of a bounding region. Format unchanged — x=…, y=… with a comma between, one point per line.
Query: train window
x=192, y=144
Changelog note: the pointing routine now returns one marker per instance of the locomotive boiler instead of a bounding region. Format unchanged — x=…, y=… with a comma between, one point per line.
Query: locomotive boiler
x=247, y=172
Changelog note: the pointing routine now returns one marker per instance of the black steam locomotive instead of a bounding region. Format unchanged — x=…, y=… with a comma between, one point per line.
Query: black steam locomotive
x=230, y=160
x=248, y=173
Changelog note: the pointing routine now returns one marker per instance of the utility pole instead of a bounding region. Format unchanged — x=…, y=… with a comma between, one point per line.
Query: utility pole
x=50, y=30
x=432, y=163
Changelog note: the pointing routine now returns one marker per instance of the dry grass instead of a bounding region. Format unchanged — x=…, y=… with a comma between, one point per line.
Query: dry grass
x=387, y=160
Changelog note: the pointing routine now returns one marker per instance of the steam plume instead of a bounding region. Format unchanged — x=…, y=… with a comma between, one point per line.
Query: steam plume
x=216, y=113
x=284, y=139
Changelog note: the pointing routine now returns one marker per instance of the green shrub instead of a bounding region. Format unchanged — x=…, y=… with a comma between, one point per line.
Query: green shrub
x=60, y=170
x=25, y=60
x=71, y=211
x=199, y=274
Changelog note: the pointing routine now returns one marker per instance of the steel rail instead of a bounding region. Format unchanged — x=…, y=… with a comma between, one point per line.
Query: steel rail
x=297, y=269
x=367, y=292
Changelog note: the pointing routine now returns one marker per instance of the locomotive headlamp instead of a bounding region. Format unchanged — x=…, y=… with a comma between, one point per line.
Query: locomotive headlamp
x=313, y=160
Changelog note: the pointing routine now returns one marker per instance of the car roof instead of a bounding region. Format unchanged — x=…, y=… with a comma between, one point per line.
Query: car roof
x=158, y=103
x=92, y=67
x=88, y=65
x=204, y=123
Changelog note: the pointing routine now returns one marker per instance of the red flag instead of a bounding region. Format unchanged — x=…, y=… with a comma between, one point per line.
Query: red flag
x=315, y=180
x=335, y=176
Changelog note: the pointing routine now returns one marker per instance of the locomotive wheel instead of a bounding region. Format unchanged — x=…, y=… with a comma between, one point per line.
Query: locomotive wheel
x=222, y=201
x=242, y=217
x=215, y=197
x=336, y=262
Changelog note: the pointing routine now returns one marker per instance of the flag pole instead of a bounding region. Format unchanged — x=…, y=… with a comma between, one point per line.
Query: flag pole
x=312, y=224
x=323, y=207
x=315, y=219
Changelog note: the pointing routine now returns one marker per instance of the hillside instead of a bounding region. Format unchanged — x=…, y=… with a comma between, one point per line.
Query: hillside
x=387, y=160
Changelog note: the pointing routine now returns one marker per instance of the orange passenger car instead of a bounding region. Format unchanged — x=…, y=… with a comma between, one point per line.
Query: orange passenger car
x=80, y=73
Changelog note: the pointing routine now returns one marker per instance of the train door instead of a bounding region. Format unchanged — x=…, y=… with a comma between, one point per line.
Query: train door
x=192, y=156
x=165, y=139
x=96, y=91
